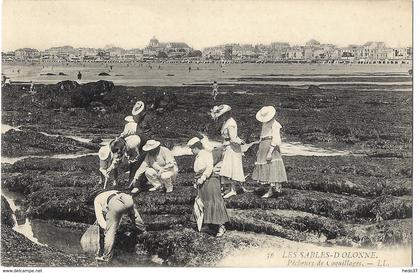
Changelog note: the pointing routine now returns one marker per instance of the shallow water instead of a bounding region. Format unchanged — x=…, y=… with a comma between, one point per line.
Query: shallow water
x=142, y=75
x=287, y=149
x=12, y=160
x=22, y=226
x=6, y=128
x=65, y=239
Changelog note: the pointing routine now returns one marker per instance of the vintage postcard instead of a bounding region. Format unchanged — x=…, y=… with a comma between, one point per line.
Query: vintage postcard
x=207, y=133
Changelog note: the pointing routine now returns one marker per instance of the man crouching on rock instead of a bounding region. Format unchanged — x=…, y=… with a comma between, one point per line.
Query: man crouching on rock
x=159, y=166
x=110, y=206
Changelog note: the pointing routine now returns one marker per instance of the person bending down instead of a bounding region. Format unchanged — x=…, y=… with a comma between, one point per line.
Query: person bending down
x=159, y=166
x=110, y=206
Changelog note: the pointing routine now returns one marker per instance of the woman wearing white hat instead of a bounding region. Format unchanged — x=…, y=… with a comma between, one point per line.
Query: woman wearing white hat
x=127, y=150
x=159, y=166
x=269, y=168
x=208, y=183
x=231, y=169
x=137, y=116
x=105, y=160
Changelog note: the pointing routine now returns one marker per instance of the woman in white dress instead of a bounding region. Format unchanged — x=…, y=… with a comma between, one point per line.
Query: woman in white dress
x=269, y=168
x=231, y=168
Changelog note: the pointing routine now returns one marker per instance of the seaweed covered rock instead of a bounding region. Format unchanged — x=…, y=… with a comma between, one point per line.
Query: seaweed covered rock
x=72, y=204
x=17, y=250
x=30, y=142
x=335, y=206
x=92, y=91
x=84, y=163
x=34, y=180
x=6, y=213
x=67, y=85
x=183, y=246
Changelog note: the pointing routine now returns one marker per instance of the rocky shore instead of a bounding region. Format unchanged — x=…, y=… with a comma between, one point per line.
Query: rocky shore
x=363, y=199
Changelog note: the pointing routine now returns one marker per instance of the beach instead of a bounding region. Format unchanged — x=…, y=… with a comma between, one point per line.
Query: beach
x=347, y=136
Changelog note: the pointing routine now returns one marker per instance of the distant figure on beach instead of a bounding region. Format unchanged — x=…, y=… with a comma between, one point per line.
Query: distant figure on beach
x=110, y=67
x=215, y=88
x=31, y=88
x=269, y=168
x=7, y=82
x=189, y=69
x=79, y=76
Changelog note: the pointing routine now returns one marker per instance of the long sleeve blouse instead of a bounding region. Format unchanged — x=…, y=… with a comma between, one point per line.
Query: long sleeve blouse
x=229, y=132
x=129, y=129
x=203, y=164
x=271, y=130
x=164, y=160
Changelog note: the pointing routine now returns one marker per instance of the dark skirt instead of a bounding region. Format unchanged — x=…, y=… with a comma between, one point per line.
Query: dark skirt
x=214, y=206
x=269, y=172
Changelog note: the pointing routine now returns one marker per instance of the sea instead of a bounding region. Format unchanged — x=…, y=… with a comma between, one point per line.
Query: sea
x=168, y=74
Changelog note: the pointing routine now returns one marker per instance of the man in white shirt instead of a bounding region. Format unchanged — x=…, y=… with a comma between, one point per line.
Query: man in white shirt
x=110, y=206
x=159, y=166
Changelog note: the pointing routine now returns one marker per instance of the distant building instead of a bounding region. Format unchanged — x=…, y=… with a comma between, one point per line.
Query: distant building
x=8, y=56
x=279, y=46
x=312, y=43
x=171, y=49
x=373, y=51
x=116, y=53
x=59, y=53
x=215, y=52
x=295, y=53
x=27, y=54
x=351, y=52
x=228, y=52
x=87, y=53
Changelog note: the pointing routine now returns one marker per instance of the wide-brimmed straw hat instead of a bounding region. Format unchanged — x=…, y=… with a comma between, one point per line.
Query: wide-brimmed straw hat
x=150, y=145
x=137, y=108
x=193, y=141
x=265, y=114
x=104, y=152
x=129, y=119
x=217, y=111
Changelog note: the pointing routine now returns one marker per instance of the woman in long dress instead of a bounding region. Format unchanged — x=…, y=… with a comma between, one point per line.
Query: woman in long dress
x=208, y=183
x=231, y=168
x=269, y=168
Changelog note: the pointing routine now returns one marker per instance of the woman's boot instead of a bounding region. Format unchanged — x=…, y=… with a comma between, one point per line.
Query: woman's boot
x=221, y=231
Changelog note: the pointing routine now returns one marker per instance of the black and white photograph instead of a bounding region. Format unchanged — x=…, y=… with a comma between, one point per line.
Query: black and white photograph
x=200, y=133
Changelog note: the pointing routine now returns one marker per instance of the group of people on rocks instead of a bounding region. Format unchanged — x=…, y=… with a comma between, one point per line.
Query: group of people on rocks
x=213, y=167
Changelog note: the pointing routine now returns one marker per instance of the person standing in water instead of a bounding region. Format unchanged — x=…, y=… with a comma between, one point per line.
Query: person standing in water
x=269, y=168
x=79, y=76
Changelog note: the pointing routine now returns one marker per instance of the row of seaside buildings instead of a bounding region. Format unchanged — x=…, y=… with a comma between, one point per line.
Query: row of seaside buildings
x=312, y=51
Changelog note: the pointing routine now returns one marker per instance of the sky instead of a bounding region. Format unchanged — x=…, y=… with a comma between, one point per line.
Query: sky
x=200, y=23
